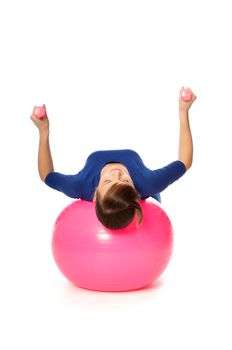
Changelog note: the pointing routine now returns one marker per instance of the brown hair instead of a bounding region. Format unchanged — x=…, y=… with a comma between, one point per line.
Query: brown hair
x=118, y=206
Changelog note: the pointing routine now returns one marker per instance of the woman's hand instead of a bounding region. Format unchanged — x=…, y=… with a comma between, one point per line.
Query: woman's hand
x=185, y=105
x=41, y=123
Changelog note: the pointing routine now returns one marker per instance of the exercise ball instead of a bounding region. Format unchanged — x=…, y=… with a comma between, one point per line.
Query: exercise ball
x=94, y=257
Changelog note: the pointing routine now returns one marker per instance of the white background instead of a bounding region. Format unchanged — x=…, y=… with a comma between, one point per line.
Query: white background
x=110, y=74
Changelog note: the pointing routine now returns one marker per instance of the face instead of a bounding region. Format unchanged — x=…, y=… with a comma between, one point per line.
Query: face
x=111, y=174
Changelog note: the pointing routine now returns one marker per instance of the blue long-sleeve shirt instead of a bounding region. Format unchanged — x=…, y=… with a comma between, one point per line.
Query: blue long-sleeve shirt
x=149, y=183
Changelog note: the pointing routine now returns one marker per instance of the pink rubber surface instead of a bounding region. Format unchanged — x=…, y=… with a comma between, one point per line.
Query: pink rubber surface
x=94, y=257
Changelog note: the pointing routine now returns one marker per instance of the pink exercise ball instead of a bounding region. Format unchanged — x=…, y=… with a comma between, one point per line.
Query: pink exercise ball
x=94, y=257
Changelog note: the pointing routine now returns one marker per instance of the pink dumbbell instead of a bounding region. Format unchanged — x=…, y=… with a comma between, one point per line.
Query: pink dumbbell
x=186, y=94
x=40, y=112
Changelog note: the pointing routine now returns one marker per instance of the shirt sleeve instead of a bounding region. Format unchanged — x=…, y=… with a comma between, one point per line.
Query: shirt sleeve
x=70, y=185
x=163, y=177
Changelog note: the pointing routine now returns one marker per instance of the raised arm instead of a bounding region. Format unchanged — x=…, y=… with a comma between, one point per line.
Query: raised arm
x=45, y=163
x=185, y=138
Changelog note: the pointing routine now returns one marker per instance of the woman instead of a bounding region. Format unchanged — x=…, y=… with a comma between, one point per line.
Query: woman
x=116, y=180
